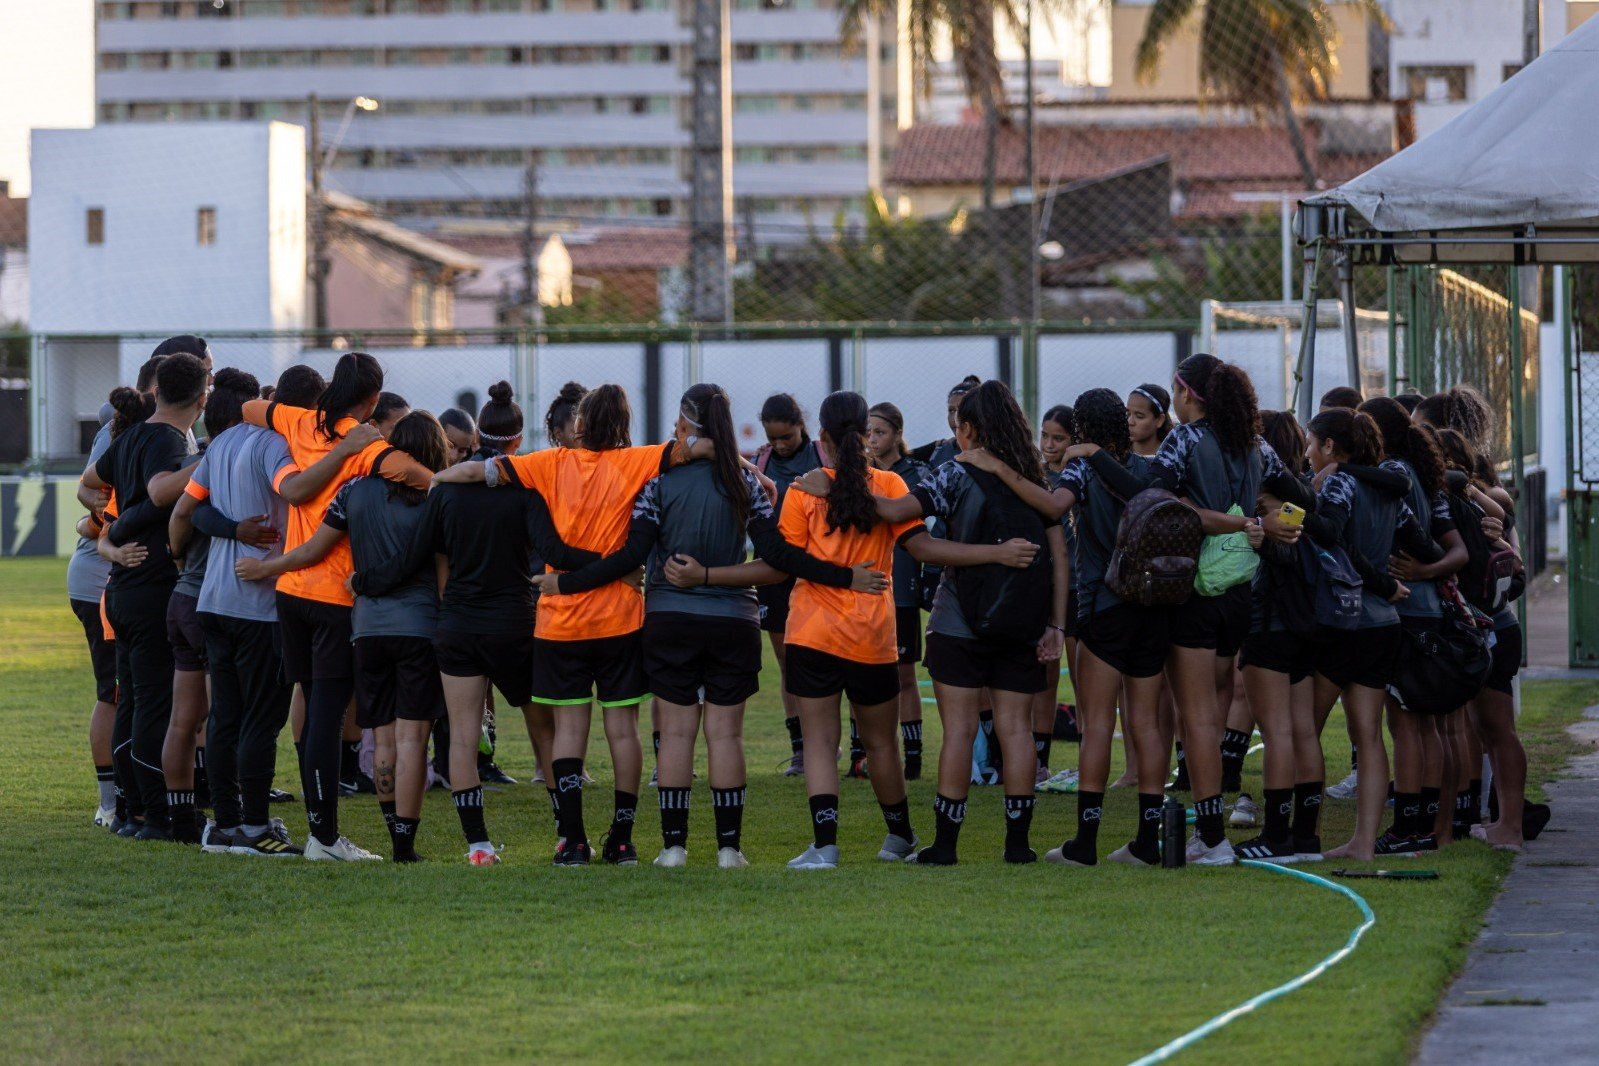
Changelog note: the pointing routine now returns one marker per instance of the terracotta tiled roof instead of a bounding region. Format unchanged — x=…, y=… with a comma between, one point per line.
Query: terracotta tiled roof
x=636, y=248
x=953, y=155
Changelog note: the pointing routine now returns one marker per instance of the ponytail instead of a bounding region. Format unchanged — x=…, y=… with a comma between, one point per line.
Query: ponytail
x=1228, y=397
x=707, y=408
x=607, y=419
x=131, y=406
x=1352, y=433
x=420, y=436
x=356, y=377
x=999, y=425
x=1403, y=439
x=562, y=408
x=850, y=504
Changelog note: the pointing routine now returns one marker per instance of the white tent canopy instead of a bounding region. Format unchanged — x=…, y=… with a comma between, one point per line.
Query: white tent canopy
x=1526, y=155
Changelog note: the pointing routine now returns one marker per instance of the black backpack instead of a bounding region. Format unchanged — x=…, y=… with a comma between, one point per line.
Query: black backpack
x=1492, y=577
x=1317, y=592
x=1441, y=670
x=1005, y=602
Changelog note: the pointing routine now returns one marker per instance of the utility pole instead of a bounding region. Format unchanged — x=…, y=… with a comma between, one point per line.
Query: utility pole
x=319, y=237
x=533, y=308
x=711, y=167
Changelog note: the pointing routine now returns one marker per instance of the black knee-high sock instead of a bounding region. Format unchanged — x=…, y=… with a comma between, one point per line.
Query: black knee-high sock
x=626, y=814
x=180, y=808
x=857, y=750
x=897, y=816
x=555, y=809
x=1307, y=810
x=1234, y=746
x=202, y=784
x=948, y=815
x=569, y=800
x=727, y=804
x=1431, y=799
x=1090, y=812
x=388, y=807
x=1207, y=820
x=911, y=736
x=674, y=816
x=824, y=820
x=403, y=836
x=1474, y=802
x=469, y=807
x=1041, y=746
x=1146, y=844
x=1407, y=812
x=1279, y=813
x=1018, y=827
x=796, y=739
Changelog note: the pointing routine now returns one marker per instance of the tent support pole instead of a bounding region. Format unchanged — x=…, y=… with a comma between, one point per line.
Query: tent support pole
x=1346, y=296
x=1393, y=333
x=1305, y=373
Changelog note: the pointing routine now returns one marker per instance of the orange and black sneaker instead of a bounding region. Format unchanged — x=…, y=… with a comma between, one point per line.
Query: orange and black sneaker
x=569, y=854
x=618, y=852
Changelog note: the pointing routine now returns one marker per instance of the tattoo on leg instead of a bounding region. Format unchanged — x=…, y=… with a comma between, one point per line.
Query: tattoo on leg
x=383, y=778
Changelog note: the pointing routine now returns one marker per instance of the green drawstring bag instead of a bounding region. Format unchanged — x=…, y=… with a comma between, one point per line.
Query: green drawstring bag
x=1226, y=560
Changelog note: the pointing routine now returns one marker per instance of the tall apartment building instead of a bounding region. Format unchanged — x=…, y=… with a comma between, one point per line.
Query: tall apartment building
x=595, y=92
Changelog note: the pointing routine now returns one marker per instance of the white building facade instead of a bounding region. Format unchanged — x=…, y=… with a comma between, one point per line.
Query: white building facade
x=470, y=92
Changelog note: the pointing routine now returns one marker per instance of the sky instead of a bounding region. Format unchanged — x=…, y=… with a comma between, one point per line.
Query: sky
x=46, y=75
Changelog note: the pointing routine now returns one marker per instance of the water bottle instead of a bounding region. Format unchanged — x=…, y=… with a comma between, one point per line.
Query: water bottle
x=1173, y=833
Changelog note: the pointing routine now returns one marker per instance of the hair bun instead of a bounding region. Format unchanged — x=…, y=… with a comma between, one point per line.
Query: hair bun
x=500, y=392
x=129, y=403
x=571, y=392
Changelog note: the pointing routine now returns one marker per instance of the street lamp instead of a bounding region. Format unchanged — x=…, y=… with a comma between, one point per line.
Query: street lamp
x=320, y=161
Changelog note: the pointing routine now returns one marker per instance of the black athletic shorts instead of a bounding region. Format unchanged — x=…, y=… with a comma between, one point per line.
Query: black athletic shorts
x=774, y=605
x=812, y=674
x=1219, y=623
x=1128, y=637
x=685, y=655
x=908, y=633
x=1072, y=607
x=506, y=660
x=608, y=670
x=102, y=652
x=1366, y=657
x=396, y=677
x=316, y=639
x=967, y=662
x=1506, y=659
x=185, y=634
x=1280, y=652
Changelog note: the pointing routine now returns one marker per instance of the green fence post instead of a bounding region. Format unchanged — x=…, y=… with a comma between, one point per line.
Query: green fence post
x=1030, y=372
x=1393, y=333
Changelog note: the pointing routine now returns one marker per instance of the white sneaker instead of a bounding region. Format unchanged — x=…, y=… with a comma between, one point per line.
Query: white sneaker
x=815, y=858
x=1345, y=789
x=731, y=859
x=1246, y=813
x=103, y=817
x=897, y=849
x=341, y=850
x=1063, y=782
x=482, y=854
x=1124, y=854
x=672, y=858
x=655, y=777
x=1198, y=854
x=1040, y=775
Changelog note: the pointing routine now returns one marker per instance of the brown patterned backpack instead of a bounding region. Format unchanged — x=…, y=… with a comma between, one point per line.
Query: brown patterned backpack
x=1157, y=550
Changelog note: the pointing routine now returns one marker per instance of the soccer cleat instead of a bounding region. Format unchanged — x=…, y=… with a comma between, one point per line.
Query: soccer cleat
x=618, y=853
x=913, y=767
x=1020, y=855
x=1065, y=781
x=572, y=854
x=795, y=766
x=857, y=768
x=483, y=854
x=1199, y=853
x=731, y=859
x=655, y=777
x=1040, y=775
x=215, y=840
x=152, y=831
x=1307, y=849
x=896, y=848
x=104, y=816
x=673, y=858
x=1246, y=813
x=1128, y=856
x=341, y=850
x=1390, y=843
x=815, y=858
x=489, y=773
x=272, y=844
x=1345, y=789
x=277, y=795
x=130, y=828
x=1260, y=849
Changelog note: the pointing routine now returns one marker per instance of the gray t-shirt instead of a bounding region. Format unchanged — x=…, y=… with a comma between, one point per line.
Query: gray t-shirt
x=195, y=554
x=238, y=474
x=86, y=571
x=1099, y=513
x=694, y=516
x=381, y=524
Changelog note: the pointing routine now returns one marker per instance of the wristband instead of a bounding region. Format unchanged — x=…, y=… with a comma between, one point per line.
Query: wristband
x=1059, y=629
x=707, y=582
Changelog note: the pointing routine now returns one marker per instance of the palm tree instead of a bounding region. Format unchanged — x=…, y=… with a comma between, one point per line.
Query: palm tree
x=1266, y=55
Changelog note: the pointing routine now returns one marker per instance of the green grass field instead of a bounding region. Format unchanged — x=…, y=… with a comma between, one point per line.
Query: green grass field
x=127, y=952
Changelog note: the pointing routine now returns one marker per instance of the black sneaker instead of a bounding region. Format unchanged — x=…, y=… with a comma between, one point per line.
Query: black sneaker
x=277, y=795
x=913, y=767
x=572, y=854
x=1534, y=817
x=489, y=773
x=130, y=828
x=1020, y=854
x=1307, y=849
x=151, y=831
x=1282, y=852
x=857, y=768
x=189, y=833
x=359, y=785
x=1180, y=783
x=1391, y=843
x=935, y=856
x=273, y=844
x=618, y=853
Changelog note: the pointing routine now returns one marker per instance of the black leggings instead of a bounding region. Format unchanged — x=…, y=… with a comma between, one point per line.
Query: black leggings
x=139, y=616
x=249, y=706
x=122, y=739
x=326, y=701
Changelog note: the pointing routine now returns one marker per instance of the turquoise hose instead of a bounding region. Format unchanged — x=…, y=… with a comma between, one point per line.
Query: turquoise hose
x=1194, y=1036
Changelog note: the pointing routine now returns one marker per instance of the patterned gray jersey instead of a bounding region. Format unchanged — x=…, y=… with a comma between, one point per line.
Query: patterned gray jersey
x=693, y=515
x=381, y=524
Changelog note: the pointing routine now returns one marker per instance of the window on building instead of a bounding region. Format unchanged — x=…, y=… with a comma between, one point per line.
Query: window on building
x=94, y=225
x=1511, y=70
x=215, y=9
x=205, y=230
x=1438, y=84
